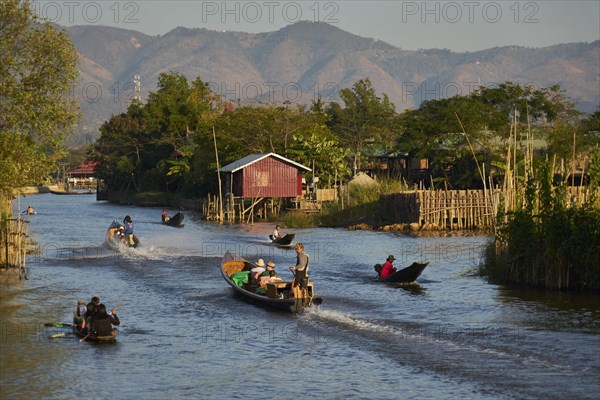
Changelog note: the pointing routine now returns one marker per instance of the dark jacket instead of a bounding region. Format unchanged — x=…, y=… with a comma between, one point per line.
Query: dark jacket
x=102, y=324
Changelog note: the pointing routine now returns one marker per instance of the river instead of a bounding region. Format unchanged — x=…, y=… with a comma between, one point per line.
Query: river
x=184, y=336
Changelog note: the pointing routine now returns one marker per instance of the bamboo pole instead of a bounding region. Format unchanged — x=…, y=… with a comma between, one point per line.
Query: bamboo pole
x=219, y=177
x=573, y=162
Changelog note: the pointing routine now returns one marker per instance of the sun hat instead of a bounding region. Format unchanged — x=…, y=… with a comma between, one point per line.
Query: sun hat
x=271, y=264
x=391, y=257
x=260, y=262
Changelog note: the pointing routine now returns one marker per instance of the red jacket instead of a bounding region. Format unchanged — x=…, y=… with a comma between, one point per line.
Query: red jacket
x=387, y=270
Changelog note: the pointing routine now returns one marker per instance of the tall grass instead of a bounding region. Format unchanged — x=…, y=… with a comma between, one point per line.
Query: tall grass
x=544, y=243
x=360, y=204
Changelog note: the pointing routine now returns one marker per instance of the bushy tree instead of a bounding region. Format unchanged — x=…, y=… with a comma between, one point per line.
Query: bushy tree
x=38, y=66
x=366, y=119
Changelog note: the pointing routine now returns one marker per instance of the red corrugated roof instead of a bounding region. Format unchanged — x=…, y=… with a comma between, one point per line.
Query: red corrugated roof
x=87, y=169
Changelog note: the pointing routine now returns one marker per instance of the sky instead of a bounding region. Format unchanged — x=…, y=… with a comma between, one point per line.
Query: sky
x=455, y=25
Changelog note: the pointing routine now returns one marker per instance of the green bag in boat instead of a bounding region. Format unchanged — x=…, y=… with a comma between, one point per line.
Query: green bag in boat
x=239, y=277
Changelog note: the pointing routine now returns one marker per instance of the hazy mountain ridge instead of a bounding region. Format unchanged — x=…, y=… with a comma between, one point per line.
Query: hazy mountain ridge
x=303, y=60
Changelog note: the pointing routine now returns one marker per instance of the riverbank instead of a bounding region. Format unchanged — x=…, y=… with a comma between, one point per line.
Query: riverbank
x=27, y=190
x=419, y=231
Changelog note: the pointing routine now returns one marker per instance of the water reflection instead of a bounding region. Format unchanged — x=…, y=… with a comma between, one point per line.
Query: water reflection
x=412, y=288
x=545, y=309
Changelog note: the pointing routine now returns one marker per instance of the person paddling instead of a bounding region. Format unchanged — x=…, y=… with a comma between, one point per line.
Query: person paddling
x=83, y=322
x=387, y=269
x=102, y=322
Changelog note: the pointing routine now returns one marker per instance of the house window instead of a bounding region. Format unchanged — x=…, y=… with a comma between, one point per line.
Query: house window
x=261, y=178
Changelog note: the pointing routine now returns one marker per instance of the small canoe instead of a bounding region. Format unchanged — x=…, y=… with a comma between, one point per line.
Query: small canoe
x=405, y=275
x=175, y=221
x=235, y=272
x=113, y=242
x=94, y=339
x=70, y=192
x=284, y=241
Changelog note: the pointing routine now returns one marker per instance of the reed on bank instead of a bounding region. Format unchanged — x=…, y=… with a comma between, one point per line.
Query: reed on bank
x=544, y=243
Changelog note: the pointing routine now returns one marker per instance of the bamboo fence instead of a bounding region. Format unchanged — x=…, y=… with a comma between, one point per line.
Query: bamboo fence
x=442, y=209
x=459, y=209
x=14, y=233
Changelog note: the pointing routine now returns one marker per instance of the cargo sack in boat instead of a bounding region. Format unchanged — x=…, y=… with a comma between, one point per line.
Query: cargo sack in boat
x=239, y=277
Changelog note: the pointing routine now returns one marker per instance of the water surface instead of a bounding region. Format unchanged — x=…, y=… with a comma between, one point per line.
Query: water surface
x=183, y=334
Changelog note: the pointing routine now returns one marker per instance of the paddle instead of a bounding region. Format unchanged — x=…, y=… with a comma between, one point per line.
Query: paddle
x=58, y=324
x=83, y=339
x=114, y=310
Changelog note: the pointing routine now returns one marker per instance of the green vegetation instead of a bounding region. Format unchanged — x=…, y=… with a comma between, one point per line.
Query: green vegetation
x=545, y=243
x=167, y=144
x=360, y=205
x=38, y=66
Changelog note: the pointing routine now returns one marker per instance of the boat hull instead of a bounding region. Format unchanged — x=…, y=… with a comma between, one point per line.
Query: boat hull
x=94, y=339
x=115, y=244
x=175, y=221
x=60, y=192
x=231, y=264
x=406, y=275
x=285, y=240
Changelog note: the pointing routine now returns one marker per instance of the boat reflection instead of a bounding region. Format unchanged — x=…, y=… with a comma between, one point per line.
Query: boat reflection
x=412, y=287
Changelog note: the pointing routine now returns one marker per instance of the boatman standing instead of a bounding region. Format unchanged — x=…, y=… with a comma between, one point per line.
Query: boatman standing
x=300, y=271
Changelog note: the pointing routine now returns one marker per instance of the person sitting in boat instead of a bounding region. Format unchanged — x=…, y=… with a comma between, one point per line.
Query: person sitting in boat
x=102, y=323
x=128, y=230
x=264, y=280
x=120, y=233
x=90, y=311
x=269, y=275
x=270, y=267
x=387, y=268
x=30, y=210
x=77, y=318
x=165, y=216
x=255, y=272
x=276, y=234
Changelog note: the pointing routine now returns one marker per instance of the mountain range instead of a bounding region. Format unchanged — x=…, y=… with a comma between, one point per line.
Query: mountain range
x=300, y=62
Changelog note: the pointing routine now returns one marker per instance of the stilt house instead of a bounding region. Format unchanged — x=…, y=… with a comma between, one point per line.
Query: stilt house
x=263, y=176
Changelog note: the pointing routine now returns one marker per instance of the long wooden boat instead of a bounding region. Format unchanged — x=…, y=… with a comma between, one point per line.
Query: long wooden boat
x=70, y=192
x=113, y=242
x=284, y=240
x=175, y=221
x=405, y=275
x=93, y=339
x=234, y=269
